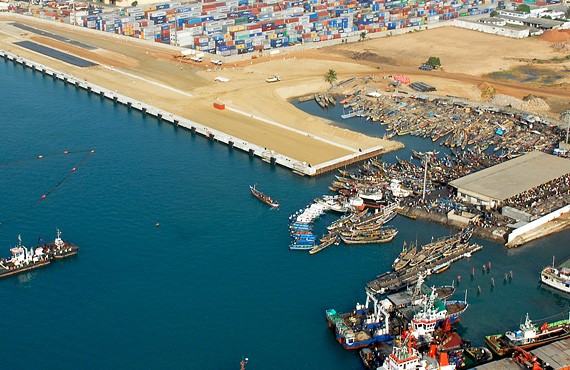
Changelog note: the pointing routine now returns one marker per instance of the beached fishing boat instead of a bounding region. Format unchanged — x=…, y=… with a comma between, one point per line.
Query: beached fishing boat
x=528, y=336
x=264, y=198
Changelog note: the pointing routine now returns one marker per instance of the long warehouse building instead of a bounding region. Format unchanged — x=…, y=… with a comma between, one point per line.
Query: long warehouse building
x=492, y=186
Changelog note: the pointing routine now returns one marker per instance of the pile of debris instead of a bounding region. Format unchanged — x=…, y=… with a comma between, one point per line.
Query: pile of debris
x=529, y=103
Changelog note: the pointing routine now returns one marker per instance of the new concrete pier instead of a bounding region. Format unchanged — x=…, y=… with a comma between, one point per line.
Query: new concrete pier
x=269, y=156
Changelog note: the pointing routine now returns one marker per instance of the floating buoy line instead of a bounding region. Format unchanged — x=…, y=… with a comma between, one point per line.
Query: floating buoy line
x=87, y=154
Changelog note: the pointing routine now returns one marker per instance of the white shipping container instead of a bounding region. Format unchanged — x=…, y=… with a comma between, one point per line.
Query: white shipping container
x=158, y=13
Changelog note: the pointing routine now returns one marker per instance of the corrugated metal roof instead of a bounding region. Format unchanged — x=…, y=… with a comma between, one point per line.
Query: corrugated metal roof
x=513, y=177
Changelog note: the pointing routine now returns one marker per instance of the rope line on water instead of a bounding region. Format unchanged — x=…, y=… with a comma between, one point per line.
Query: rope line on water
x=82, y=161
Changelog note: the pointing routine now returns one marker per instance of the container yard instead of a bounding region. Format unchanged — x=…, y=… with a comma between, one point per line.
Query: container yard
x=246, y=26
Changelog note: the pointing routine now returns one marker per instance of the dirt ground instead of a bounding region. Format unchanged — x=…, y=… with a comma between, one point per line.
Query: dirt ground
x=160, y=78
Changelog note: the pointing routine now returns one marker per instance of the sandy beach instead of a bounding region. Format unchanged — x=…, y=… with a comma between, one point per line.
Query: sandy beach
x=156, y=75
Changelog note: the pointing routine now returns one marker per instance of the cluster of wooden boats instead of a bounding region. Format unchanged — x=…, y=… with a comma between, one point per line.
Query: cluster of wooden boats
x=442, y=247
x=360, y=227
x=414, y=263
x=324, y=100
x=454, y=123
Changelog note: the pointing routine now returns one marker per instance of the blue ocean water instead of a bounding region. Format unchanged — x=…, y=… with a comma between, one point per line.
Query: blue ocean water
x=216, y=280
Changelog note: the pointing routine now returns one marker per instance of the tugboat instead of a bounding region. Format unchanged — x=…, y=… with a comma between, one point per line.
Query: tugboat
x=528, y=337
x=60, y=249
x=264, y=198
x=405, y=356
x=24, y=259
x=436, y=312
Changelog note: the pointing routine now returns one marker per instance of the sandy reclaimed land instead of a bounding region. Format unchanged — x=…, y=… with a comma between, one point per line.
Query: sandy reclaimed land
x=154, y=76
x=467, y=57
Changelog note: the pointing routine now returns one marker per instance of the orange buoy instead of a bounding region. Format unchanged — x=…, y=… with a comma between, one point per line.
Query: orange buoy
x=66, y=152
x=73, y=169
x=44, y=196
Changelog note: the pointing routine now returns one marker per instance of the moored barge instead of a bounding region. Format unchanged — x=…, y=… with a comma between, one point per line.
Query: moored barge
x=528, y=337
x=25, y=259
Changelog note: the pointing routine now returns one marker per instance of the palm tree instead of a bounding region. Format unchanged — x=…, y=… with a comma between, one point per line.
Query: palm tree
x=330, y=76
x=362, y=36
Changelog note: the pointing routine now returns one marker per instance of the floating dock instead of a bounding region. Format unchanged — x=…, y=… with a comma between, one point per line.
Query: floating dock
x=253, y=150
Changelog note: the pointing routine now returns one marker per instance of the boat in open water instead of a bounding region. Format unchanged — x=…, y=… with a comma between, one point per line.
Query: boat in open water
x=264, y=198
x=25, y=259
x=528, y=337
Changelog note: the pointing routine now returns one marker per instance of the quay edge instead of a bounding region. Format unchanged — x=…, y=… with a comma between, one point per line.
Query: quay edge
x=269, y=156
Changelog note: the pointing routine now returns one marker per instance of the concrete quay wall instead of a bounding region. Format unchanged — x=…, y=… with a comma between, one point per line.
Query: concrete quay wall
x=516, y=237
x=298, y=167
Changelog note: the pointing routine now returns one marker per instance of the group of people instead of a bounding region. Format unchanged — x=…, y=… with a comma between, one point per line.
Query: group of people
x=544, y=198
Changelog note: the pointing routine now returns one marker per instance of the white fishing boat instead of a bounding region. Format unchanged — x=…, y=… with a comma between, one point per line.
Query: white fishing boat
x=397, y=190
x=557, y=278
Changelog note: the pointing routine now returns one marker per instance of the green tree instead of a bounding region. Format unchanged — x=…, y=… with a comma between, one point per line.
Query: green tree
x=434, y=62
x=568, y=13
x=135, y=3
x=524, y=8
x=330, y=76
x=362, y=36
x=494, y=13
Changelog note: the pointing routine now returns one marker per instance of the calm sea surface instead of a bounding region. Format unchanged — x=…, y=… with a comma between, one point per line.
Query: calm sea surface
x=216, y=280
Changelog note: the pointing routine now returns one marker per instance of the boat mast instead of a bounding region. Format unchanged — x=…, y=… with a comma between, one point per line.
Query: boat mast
x=552, y=261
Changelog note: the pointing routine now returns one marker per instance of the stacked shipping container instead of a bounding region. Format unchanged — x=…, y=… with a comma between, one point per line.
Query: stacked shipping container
x=244, y=26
